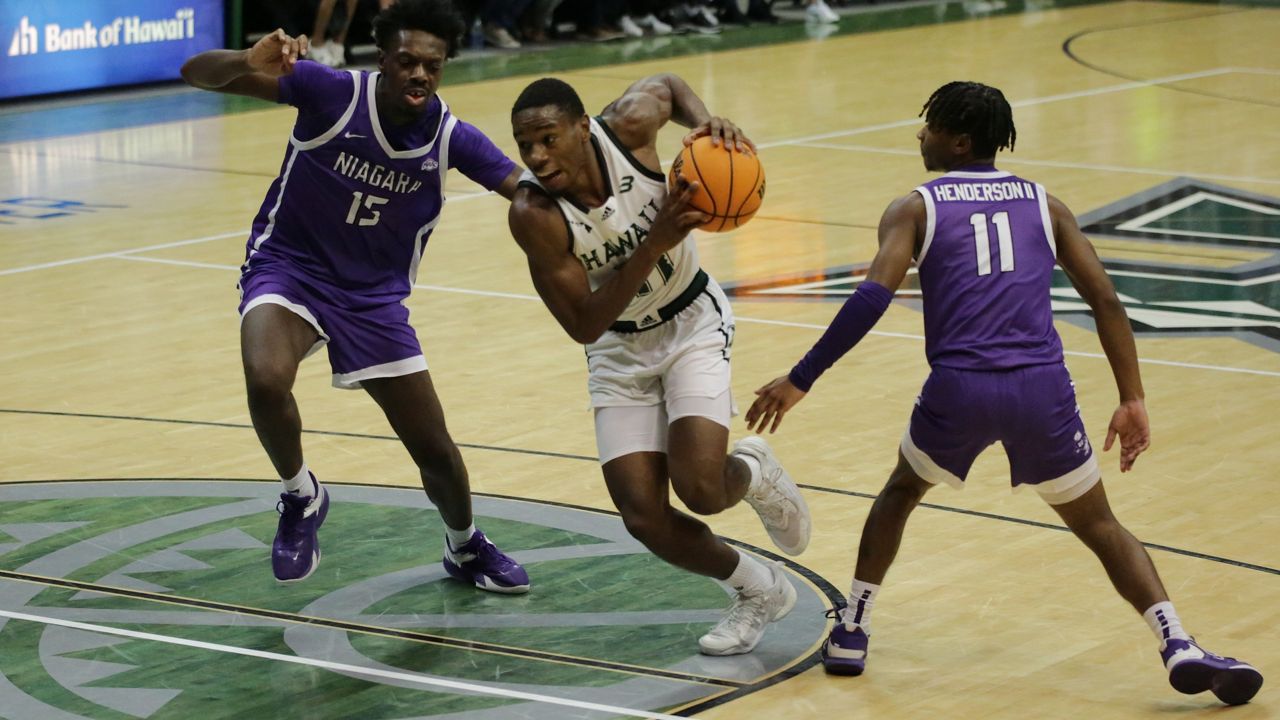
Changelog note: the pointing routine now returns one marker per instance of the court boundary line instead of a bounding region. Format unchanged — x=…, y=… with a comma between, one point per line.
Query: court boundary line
x=339, y=667
x=816, y=488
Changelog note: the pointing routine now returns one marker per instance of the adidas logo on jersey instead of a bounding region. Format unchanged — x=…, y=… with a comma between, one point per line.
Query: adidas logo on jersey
x=647, y=321
x=430, y=164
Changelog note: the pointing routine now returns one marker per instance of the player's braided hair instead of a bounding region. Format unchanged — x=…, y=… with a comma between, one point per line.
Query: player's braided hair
x=977, y=110
x=550, y=91
x=437, y=17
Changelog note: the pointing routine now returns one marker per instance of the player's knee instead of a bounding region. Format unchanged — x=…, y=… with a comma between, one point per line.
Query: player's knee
x=267, y=381
x=649, y=526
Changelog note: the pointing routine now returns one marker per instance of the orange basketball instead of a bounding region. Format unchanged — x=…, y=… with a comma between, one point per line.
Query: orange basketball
x=732, y=182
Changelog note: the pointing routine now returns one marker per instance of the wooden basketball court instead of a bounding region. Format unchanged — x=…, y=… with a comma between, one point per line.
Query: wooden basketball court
x=118, y=257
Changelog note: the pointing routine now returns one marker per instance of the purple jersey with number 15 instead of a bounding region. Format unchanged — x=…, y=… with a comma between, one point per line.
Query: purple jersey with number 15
x=986, y=267
x=357, y=197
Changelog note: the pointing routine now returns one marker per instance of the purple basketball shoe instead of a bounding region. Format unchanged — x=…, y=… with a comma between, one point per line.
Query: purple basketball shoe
x=845, y=651
x=480, y=563
x=295, y=554
x=1192, y=669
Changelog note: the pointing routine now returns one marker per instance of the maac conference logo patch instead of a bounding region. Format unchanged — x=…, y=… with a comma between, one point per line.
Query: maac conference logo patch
x=1186, y=257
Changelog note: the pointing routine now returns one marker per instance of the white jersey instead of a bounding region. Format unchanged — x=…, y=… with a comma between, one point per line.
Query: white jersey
x=605, y=237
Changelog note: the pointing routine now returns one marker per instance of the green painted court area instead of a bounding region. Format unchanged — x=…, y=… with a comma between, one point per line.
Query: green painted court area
x=155, y=599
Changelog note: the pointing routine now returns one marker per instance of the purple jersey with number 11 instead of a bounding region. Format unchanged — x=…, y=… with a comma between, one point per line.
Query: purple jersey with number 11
x=986, y=267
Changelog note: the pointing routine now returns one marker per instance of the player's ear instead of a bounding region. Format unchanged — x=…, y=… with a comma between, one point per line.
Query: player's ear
x=962, y=144
x=382, y=57
x=584, y=124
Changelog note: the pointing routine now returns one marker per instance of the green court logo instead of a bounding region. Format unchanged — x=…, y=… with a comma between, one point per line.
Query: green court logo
x=155, y=599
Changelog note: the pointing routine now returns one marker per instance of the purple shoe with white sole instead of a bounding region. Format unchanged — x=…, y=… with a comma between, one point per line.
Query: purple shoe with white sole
x=295, y=553
x=480, y=563
x=845, y=651
x=1192, y=669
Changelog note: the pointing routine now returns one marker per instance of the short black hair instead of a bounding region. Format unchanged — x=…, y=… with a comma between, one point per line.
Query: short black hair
x=550, y=91
x=437, y=17
x=977, y=110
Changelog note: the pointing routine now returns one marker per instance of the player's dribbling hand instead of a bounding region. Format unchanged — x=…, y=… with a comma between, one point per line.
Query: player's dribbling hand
x=1129, y=423
x=723, y=131
x=675, y=218
x=772, y=402
x=276, y=54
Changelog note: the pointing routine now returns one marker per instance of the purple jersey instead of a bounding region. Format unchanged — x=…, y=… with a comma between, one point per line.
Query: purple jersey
x=986, y=266
x=357, y=198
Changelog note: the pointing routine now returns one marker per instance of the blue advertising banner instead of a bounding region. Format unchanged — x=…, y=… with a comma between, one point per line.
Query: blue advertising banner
x=51, y=46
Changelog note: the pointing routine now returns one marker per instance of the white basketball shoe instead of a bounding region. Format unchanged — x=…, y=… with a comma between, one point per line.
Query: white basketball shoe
x=742, y=627
x=776, y=499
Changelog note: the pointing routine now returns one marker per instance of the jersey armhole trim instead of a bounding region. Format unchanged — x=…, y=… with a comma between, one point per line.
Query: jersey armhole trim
x=931, y=221
x=1046, y=219
x=626, y=153
x=342, y=121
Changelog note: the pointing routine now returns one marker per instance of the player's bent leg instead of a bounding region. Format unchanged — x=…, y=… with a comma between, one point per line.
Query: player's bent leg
x=845, y=650
x=414, y=411
x=273, y=342
x=882, y=531
x=1125, y=560
x=1192, y=669
x=704, y=479
x=638, y=484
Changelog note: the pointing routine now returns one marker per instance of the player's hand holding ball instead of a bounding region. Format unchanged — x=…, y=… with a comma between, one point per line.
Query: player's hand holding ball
x=725, y=166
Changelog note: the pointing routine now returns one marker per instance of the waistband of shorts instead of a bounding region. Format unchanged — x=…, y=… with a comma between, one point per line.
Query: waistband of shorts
x=671, y=309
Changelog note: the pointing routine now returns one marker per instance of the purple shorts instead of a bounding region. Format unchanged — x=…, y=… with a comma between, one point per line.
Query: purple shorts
x=1031, y=410
x=366, y=339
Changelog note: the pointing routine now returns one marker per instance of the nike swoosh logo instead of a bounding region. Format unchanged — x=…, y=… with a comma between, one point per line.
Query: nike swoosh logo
x=352, y=135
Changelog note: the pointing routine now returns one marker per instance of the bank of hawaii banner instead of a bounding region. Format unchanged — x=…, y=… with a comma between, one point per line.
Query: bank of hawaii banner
x=49, y=46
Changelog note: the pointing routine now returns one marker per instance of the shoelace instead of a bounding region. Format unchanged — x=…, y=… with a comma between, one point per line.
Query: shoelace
x=774, y=506
x=743, y=611
x=291, y=515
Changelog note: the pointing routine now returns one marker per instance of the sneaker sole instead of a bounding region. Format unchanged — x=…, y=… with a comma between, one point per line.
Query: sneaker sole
x=1235, y=686
x=484, y=583
x=837, y=666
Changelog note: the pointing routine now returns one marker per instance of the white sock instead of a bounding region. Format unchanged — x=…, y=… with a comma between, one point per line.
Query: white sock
x=751, y=577
x=862, y=595
x=458, y=538
x=1164, y=622
x=753, y=468
x=302, y=484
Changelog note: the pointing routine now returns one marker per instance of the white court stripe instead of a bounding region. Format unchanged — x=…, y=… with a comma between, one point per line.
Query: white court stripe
x=86, y=258
x=1071, y=353
x=341, y=667
x=783, y=323
x=238, y=233
x=1010, y=160
x=1122, y=87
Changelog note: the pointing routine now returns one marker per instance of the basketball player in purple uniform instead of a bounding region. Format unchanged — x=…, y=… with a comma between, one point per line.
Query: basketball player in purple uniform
x=608, y=254
x=985, y=243
x=333, y=254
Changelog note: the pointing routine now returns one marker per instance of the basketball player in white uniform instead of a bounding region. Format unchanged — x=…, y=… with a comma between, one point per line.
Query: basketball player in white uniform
x=607, y=252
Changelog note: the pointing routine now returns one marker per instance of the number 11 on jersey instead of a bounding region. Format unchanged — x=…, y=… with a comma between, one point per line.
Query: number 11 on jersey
x=982, y=242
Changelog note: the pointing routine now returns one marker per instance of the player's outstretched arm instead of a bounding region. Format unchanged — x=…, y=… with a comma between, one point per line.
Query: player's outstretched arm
x=653, y=101
x=1078, y=259
x=901, y=229
x=559, y=276
x=251, y=72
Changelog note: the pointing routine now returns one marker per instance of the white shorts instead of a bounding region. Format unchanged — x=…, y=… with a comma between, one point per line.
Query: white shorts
x=641, y=382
